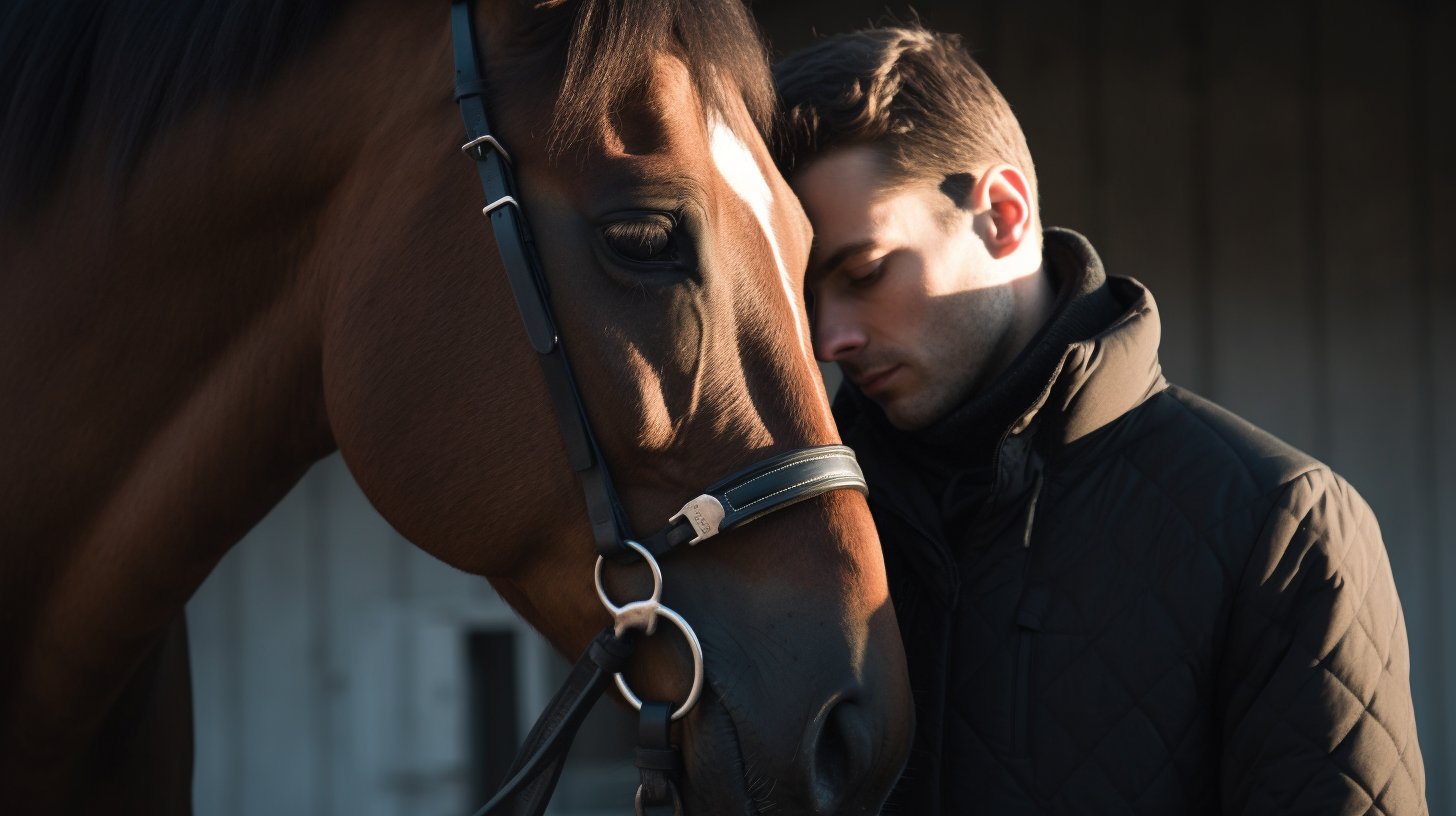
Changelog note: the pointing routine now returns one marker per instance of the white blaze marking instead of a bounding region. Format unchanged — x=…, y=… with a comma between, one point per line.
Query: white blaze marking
x=735, y=161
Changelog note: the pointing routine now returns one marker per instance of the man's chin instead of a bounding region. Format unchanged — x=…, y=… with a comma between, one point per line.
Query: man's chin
x=903, y=411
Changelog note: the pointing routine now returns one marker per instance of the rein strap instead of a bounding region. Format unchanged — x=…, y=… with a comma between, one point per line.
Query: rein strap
x=532, y=776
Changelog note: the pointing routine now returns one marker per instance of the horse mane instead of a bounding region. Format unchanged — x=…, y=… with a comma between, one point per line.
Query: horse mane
x=718, y=40
x=134, y=67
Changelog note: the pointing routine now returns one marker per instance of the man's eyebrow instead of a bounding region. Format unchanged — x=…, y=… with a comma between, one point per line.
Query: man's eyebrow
x=843, y=254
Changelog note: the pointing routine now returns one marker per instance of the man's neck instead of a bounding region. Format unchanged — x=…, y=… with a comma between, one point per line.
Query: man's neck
x=1073, y=305
x=1034, y=300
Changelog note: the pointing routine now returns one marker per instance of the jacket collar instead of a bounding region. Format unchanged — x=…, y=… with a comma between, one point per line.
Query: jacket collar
x=1103, y=377
x=1095, y=360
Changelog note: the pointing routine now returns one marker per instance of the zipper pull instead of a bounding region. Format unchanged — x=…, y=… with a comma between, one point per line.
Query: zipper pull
x=1031, y=511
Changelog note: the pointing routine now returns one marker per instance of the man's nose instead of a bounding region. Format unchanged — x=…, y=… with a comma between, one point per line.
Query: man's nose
x=836, y=336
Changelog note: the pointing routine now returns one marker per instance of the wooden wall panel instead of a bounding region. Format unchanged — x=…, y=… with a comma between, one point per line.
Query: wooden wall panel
x=791, y=26
x=360, y=560
x=1148, y=188
x=1261, y=280
x=276, y=637
x=1046, y=66
x=328, y=665
x=433, y=581
x=1436, y=210
x=212, y=629
x=1375, y=379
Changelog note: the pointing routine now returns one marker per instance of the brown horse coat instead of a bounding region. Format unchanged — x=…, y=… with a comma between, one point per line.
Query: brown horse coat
x=297, y=264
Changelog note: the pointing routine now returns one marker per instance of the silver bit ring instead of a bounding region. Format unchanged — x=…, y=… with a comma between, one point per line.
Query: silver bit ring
x=642, y=616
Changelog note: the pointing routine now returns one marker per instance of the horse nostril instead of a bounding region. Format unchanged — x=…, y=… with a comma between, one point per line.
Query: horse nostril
x=840, y=755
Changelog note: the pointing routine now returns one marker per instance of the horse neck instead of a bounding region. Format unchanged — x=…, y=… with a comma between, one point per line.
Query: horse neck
x=162, y=352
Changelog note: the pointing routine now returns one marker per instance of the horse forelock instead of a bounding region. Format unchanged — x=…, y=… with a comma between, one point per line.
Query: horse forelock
x=610, y=42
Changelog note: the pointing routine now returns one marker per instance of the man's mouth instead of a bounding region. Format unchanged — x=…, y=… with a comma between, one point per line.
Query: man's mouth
x=875, y=381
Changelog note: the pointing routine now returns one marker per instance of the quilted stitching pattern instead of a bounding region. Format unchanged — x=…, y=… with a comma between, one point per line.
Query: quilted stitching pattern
x=1221, y=634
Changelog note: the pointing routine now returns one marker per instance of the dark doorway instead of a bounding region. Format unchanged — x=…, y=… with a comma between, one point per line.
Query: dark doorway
x=493, y=702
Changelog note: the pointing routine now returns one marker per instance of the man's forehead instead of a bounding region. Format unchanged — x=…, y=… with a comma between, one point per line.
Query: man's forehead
x=852, y=197
x=851, y=203
x=838, y=191
x=858, y=170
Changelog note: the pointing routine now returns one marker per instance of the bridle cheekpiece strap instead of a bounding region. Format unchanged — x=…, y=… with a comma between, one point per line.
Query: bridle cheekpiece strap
x=758, y=489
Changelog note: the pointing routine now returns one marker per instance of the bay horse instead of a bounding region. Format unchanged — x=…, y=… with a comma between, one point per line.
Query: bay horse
x=237, y=235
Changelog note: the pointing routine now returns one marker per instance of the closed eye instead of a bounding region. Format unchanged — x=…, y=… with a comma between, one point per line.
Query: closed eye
x=644, y=239
x=866, y=274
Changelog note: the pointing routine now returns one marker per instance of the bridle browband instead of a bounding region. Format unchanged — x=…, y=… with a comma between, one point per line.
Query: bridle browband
x=761, y=488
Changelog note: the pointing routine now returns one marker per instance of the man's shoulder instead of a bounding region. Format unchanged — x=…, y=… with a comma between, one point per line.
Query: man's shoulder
x=1202, y=457
x=1267, y=461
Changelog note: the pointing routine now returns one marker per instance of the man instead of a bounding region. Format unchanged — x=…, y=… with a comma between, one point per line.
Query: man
x=1115, y=596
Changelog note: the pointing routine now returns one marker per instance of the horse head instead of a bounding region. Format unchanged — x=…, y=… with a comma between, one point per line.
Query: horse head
x=357, y=299
x=673, y=252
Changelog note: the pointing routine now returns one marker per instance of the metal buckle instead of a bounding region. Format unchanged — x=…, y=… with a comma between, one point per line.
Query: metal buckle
x=498, y=203
x=704, y=513
x=642, y=616
x=677, y=807
x=479, y=143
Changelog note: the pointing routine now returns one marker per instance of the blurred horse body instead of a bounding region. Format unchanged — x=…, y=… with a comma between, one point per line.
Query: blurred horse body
x=211, y=276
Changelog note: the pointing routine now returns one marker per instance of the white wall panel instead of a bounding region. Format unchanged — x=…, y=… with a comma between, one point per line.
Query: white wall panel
x=330, y=671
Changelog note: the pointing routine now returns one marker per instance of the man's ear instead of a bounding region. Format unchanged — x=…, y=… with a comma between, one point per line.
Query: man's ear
x=1003, y=210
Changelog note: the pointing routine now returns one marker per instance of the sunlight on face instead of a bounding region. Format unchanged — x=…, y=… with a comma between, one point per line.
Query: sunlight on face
x=906, y=297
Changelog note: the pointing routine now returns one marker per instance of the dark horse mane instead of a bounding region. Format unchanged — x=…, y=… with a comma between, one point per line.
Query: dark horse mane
x=131, y=68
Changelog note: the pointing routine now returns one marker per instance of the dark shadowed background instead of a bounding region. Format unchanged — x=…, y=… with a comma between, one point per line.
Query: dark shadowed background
x=1279, y=174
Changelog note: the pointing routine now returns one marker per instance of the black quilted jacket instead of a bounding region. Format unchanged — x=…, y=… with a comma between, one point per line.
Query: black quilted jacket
x=1147, y=606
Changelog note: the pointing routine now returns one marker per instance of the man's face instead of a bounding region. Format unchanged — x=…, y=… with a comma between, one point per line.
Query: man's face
x=906, y=297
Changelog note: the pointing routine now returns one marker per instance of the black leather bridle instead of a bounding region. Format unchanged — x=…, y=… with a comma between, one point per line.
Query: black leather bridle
x=742, y=497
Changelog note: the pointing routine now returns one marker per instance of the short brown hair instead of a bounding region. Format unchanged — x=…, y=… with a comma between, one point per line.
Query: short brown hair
x=914, y=94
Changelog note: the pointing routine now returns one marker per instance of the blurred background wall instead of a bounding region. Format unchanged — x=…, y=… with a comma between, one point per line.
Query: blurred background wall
x=1279, y=174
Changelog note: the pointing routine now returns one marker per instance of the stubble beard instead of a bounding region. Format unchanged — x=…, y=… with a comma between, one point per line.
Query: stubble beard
x=962, y=344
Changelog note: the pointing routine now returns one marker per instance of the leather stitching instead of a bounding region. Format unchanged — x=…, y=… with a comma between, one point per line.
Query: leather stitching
x=727, y=494
x=824, y=477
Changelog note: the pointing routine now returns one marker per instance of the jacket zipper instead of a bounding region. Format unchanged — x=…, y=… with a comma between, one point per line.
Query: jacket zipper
x=1021, y=712
x=1031, y=510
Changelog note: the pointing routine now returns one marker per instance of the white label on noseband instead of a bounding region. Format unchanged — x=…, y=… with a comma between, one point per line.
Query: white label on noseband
x=735, y=161
x=704, y=513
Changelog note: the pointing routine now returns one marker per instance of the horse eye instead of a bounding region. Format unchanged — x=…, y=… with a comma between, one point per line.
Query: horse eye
x=644, y=240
